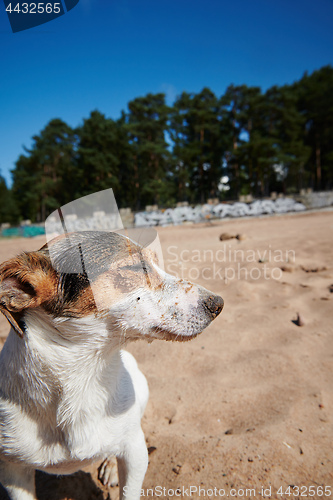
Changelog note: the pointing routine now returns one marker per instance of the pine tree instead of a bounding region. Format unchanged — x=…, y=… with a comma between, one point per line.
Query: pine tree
x=195, y=130
x=146, y=124
x=8, y=209
x=44, y=178
x=315, y=93
x=97, y=160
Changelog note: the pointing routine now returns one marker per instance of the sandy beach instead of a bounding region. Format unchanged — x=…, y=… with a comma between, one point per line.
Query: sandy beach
x=248, y=404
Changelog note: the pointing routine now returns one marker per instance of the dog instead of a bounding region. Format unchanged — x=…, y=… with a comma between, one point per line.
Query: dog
x=69, y=394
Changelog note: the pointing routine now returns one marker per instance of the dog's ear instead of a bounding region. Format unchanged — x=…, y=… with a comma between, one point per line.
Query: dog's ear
x=13, y=299
x=24, y=283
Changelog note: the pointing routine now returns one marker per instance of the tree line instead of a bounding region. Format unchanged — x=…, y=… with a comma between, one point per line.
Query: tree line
x=203, y=146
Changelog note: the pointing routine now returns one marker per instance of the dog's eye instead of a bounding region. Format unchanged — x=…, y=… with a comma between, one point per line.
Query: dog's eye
x=135, y=268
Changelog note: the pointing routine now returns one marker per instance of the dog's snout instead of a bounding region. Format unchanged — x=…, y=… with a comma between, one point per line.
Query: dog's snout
x=214, y=304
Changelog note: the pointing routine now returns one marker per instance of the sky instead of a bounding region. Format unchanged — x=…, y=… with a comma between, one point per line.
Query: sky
x=104, y=53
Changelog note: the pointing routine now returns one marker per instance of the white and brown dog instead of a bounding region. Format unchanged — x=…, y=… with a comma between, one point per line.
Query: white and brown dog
x=69, y=395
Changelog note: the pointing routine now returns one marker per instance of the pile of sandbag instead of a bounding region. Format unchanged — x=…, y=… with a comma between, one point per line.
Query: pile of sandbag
x=179, y=215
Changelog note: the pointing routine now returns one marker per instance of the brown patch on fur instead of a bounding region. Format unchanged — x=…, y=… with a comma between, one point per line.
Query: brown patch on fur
x=113, y=285
x=125, y=276
x=105, y=293
x=27, y=281
x=83, y=306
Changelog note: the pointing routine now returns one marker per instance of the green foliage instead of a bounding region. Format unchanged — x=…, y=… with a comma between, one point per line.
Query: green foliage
x=97, y=159
x=196, y=132
x=146, y=124
x=46, y=176
x=315, y=103
x=8, y=210
x=280, y=140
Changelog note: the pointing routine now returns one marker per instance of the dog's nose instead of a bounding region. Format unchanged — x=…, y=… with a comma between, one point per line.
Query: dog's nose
x=214, y=304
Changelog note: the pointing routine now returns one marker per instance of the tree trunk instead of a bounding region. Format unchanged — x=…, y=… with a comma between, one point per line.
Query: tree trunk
x=202, y=193
x=300, y=176
x=318, y=163
x=136, y=183
x=236, y=166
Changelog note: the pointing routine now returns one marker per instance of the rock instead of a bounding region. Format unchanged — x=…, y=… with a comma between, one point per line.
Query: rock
x=176, y=469
x=287, y=269
x=299, y=321
x=314, y=269
x=226, y=236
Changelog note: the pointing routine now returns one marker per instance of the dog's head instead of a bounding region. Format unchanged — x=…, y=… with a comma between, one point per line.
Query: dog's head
x=108, y=277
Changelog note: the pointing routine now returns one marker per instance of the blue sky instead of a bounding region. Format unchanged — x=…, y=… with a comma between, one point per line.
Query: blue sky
x=103, y=53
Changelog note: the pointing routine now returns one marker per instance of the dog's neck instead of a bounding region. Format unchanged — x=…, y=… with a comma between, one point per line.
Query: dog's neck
x=59, y=364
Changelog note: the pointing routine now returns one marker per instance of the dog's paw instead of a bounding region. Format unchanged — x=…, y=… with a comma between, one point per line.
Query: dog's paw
x=108, y=472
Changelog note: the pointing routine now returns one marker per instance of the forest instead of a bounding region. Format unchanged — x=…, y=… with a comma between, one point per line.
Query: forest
x=202, y=146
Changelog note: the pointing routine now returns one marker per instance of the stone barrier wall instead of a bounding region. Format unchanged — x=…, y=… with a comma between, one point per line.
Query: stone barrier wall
x=319, y=199
x=200, y=213
x=183, y=213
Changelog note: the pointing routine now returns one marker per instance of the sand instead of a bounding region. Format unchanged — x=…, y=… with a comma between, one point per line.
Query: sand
x=247, y=405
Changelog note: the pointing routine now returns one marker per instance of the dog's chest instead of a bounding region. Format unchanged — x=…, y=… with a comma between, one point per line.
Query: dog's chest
x=82, y=426
x=58, y=450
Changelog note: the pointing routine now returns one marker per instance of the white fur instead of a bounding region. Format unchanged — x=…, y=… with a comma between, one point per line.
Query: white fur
x=87, y=407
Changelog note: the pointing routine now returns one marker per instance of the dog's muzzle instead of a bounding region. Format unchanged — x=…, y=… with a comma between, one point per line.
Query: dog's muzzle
x=213, y=305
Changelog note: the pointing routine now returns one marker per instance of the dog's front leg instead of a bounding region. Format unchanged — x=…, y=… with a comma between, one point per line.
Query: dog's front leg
x=132, y=466
x=19, y=481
